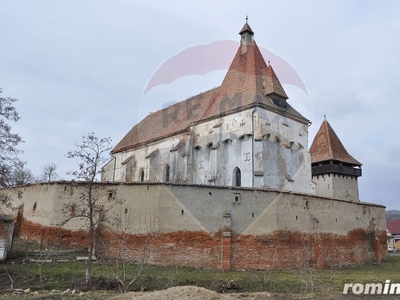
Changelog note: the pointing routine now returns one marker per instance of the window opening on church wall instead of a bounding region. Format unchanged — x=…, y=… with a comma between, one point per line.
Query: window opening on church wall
x=141, y=175
x=237, y=177
x=166, y=173
x=236, y=198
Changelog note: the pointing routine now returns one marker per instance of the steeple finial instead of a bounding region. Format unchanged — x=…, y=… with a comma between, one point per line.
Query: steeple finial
x=325, y=117
x=247, y=18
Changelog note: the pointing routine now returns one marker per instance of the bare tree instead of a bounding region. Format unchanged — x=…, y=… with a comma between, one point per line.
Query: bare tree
x=8, y=145
x=49, y=173
x=89, y=206
x=21, y=175
x=124, y=273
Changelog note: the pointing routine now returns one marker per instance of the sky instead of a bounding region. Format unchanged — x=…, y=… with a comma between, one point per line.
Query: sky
x=83, y=66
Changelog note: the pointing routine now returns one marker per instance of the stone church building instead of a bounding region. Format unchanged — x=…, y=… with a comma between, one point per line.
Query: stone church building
x=224, y=180
x=242, y=133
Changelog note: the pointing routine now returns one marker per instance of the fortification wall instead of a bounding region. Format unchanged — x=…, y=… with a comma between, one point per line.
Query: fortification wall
x=214, y=227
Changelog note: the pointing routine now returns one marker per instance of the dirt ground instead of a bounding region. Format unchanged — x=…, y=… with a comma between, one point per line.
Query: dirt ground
x=198, y=293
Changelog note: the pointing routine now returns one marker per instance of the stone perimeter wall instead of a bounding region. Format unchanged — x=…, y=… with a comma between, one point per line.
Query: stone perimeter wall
x=214, y=227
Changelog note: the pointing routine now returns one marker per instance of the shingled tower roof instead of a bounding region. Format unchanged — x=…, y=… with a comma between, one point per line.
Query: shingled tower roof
x=249, y=82
x=246, y=27
x=328, y=147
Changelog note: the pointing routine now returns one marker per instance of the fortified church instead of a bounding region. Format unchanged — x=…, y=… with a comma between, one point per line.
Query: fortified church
x=224, y=180
x=242, y=133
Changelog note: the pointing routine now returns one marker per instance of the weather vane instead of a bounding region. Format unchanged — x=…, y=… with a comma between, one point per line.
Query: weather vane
x=247, y=17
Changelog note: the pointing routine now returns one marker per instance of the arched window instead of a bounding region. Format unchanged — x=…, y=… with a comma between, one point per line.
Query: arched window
x=141, y=175
x=237, y=177
x=166, y=175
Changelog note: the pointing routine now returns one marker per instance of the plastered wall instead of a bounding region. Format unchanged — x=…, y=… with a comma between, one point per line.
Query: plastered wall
x=208, y=226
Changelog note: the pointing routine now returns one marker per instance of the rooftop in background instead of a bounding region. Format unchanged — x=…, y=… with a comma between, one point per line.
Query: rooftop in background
x=393, y=226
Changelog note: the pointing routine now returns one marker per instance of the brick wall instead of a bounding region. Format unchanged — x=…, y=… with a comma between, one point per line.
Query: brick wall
x=53, y=236
x=279, y=250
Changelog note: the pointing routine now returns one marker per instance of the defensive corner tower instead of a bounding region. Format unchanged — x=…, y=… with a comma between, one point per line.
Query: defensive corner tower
x=334, y=170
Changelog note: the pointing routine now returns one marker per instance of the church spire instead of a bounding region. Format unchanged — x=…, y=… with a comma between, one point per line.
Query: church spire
x=246, y=34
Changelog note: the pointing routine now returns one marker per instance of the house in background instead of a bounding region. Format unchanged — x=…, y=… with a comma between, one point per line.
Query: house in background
x=6, y=235
x=394, y=228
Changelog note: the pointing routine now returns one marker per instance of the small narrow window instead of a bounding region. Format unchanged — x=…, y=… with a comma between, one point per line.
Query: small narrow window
x=237, y=177
x=237, y=198
x=34, y=206
x=141, y=175
x=110, y=195
x=364, y=209
x=126, y=210
x=166, y=175
x=252, y=215
x=307, y=205
x=182, y=212
x=336, y=220
x=296, y=218
x=65, y=188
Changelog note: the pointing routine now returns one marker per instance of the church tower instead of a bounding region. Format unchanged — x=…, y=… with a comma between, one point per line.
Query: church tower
x=334, y=170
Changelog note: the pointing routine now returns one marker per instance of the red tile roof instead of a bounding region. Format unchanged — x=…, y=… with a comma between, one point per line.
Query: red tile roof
x=249, y=82
x=393, y=226
x=327, y=146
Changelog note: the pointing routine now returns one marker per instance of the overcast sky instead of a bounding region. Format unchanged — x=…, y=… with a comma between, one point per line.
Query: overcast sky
x=79, y=66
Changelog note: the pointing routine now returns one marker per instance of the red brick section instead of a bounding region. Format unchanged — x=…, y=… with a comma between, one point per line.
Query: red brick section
x=278, y=250
x=226, y=253
x=54, y=236
x=194, y=249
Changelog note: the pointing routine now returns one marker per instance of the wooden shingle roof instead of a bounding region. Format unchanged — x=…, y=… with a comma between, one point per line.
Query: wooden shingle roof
x=328, y=147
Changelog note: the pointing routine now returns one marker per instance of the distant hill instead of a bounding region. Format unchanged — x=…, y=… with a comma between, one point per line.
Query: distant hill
x=393, y=215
